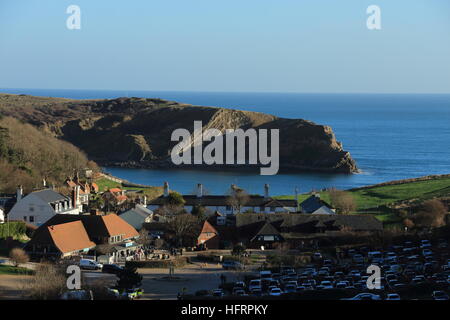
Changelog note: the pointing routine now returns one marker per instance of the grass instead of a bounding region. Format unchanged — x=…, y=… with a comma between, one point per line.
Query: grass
x=11, y=270
x=105, y=184
x=377, y=196
x=372, y=200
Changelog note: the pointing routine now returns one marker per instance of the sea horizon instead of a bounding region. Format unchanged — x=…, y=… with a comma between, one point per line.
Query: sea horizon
x=391, y=136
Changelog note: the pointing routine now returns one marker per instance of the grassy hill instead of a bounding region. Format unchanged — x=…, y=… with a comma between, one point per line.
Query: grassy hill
x=380, y=199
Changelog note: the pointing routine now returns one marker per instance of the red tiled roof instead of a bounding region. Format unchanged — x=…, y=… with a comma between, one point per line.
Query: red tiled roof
x=207, y=227
x=69, y=237
x=115, y=190
x=117, y=226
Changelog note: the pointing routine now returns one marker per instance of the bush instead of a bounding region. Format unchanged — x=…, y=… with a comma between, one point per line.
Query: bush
x=15, y=229
x=18, y=256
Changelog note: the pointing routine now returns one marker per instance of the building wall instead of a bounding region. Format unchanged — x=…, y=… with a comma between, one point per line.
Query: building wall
x=31, y=205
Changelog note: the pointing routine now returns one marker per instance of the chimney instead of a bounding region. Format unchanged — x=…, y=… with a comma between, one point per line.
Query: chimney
x=76, y=196
x=166, y=189
x=145, y=201
x=296, y=199
x=44, y=183
x=266, y=191
x=199, y=190
x=19, y=193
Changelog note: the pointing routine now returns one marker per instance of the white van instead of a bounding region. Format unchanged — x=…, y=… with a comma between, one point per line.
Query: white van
x=90, y=264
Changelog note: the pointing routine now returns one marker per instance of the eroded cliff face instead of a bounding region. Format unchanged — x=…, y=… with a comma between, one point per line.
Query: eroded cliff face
x=137, y=132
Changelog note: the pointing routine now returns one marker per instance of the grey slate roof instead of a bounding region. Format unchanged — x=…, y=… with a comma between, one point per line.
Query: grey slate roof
x=312, y=204
x=222, y=200
x=50, y=196
x=136, y=217
x=364, y=222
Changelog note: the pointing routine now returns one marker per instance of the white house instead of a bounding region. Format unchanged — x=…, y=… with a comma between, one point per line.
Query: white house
x=2, y=216
x=221, y=203
x=37, y=207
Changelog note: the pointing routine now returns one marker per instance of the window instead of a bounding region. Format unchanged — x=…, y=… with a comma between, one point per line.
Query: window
x=31, y=218
x=24, y=218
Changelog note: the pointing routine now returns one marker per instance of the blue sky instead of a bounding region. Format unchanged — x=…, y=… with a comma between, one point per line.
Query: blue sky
x=232, y=45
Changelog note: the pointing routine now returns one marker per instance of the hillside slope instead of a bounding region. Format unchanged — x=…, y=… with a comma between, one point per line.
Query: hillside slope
x=136, y=131
x=28, y=155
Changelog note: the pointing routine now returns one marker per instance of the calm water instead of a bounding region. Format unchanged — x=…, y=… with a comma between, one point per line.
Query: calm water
x=390, y=136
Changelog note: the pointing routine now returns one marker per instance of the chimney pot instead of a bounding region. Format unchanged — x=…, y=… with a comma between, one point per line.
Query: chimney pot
x=166, y=189
x=199, y=190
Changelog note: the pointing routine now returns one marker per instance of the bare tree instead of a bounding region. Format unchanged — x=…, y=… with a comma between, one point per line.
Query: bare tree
x=144, y=239
x=183, y=226
x=18, y=256
x=342, y=201
x=432, y=214
x=48, y=282
x=238, y=198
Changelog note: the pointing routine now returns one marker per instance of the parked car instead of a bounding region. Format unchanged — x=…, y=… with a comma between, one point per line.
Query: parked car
x=112, y=268
x=393, y=296
x=218, y=293
x=364, y=296
x=90, y=264
x=133, y=294
x=275, y=292
x=254, y=284
x=440, y=295
x=77, y=295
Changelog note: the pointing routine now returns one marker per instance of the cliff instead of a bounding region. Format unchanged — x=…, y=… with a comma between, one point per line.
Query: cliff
x=136, y=131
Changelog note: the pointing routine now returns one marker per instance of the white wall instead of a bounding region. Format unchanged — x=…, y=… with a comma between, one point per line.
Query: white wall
x=32, y=205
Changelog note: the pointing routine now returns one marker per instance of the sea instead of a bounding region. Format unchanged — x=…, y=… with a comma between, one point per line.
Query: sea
x=391, y=137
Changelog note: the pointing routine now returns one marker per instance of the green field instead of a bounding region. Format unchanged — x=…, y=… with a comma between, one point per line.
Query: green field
x=372, y=199
x=4, y=270
x=105, y=184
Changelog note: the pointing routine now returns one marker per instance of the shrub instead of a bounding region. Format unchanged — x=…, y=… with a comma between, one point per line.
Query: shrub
x=18, y=256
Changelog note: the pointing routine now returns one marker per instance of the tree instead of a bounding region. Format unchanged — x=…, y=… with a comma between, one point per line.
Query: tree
x=342, y=201
x=175, y=199
x=184, y=226
x=238, y=198
x=199, y=212
x=18, y=256
x=144, y=239
x=104, y=249
x=408, y=223
x=48, y=282
x=129, y=278
x=431, y=215
x=238, y=250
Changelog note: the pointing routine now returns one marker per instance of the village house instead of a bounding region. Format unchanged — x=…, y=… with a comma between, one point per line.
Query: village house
x=115, y=196
x=108, y=230
x=315, y=205
x=39, y=206
x=256, y=230
x=137, y=216
x=221, y=203
x=208, y=237
x=84, y=190
x=62, y=240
